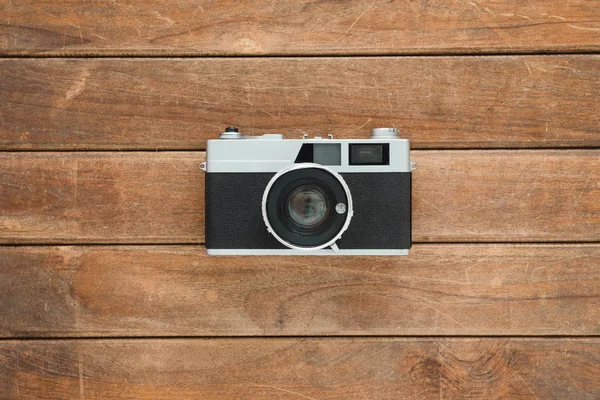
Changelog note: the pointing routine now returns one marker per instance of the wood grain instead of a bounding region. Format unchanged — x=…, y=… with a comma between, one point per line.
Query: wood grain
x=139, y=197
x=302, y=369
x=436, y=102
x=177, y=290
x=101, y=197
x=224, y=27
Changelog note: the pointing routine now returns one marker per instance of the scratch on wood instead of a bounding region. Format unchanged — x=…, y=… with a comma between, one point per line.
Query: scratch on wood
x=17, y=376
x=569, y=375
x=483, y=8
x=522, y=380
x=434, y=307
x=567, y=68
x=75, y=89
x=469, y=268
x=77, y=313
x=78, y=87
x=583, y=28
x=160, y=16
x=286, y=391
x=99, y=36
x=354, y=23
x=80, y=364
x=439, y=360
x=511, y=320
x=51, y=15
x=75, y=190
x=523, y=97
x=363, y=125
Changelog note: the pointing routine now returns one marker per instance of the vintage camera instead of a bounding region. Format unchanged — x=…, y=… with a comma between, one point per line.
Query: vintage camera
x=266, y=195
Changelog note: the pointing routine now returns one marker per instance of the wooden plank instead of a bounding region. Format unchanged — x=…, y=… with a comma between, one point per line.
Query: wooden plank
x=101, y=197
x=436, y=102
x=506, y=196
x=138, y=197
x=178, y=290
x=307, y=369
x=186, y=27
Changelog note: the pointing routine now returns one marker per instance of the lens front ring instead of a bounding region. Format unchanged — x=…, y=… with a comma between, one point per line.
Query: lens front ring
x=318, y=178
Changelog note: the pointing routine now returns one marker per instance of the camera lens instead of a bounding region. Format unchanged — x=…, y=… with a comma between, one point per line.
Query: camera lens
x=307, y=206
x=299, y=206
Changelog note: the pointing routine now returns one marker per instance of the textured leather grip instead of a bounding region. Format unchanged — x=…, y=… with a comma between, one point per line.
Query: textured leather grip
x=382, y=211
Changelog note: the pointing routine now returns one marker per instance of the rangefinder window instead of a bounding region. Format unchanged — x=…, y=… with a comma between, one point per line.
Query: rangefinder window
x=369, y=154
x=320, y=153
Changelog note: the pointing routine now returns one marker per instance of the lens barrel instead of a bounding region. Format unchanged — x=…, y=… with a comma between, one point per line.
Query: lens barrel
x=301, y=206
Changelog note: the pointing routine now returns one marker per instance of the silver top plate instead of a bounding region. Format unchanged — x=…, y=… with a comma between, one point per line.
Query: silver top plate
x=271, y=152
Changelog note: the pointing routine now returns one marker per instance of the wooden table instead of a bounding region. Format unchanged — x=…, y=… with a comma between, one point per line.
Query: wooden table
x=105, y=287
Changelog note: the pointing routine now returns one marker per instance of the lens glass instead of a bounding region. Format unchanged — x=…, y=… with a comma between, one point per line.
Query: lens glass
x=307, y=206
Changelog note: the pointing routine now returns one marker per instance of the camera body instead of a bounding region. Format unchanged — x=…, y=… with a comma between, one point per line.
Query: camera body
x=266, y=195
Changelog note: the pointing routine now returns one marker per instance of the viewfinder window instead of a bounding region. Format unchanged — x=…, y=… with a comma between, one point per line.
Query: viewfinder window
x=370, y=154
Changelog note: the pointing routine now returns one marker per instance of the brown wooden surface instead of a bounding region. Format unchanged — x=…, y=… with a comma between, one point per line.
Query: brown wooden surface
x=178, y=290
x=296, y=27
x=436, y=102
x=102, y=308
x=302, y=369
x=101, y=197
x=139, y=197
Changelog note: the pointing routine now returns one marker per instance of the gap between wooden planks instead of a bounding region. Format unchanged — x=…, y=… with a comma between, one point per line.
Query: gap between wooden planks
x=302, y=368
x=169, y=104
x=186, y=27
x=149, y=197
x=454, y=289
